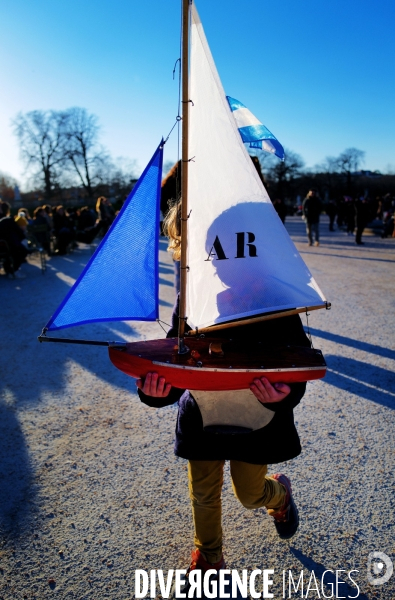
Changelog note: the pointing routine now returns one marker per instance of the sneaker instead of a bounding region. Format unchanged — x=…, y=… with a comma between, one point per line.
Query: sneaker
x=286, y=519
x=198, y=562
x=317, y=244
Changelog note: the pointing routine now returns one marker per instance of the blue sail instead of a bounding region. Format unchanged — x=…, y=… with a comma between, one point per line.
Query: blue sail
x=121, y=281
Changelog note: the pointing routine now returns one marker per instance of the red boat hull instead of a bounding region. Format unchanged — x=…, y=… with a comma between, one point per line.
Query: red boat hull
x=203, y=369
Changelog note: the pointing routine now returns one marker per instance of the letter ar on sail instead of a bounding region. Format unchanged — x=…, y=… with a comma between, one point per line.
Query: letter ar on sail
x=238, y=263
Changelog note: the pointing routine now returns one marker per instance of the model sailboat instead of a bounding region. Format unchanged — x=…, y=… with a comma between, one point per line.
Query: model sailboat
x=237, y=261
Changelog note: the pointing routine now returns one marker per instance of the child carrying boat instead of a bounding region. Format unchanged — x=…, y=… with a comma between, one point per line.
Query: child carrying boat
x=249, y=450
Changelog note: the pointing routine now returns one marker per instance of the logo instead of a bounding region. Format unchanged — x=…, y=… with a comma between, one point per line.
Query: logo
x=380, y=568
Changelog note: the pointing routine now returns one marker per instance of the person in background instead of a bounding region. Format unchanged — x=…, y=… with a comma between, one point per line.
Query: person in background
x=341, y=212
x=349, y=212
x=105, y=213
x=257, y=165
x=62, y=228
x=86, y=218
x=48, y=215
x=311, y=211
x=43, y=235
x=280, y=209
x=388, y=208
x=21, y=221
x=25, y=213
x=87, y=226
x=331, y=211
x=14, y=236
x=362, y=217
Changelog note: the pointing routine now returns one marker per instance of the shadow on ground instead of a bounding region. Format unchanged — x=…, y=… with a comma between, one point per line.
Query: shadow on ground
x=34, y=370
x=374, y=259
x=16, y=491
x=362, y=379
x=357, y=344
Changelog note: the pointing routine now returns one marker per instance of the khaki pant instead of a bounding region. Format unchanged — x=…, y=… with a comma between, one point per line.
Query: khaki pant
x=310, y=228
x=250, y=485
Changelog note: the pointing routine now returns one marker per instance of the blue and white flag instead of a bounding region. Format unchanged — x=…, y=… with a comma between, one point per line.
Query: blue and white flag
x=252, y=131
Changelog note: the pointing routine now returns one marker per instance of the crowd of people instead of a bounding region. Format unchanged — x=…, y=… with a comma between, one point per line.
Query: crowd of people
x=53, y=230
x=56, y=230
x=350, y=214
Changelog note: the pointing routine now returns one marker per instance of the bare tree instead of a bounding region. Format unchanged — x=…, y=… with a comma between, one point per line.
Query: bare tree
x=348, y=162
x=41, y=136
x=266, y=159
x=84, y=155
x=122, y=176
x=282, y=173
x=325, y=175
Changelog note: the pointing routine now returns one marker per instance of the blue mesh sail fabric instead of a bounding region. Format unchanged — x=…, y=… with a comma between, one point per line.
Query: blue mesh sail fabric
x=120, y=282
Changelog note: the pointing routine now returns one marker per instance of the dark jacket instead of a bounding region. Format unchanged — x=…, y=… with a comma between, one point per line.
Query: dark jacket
x=277, y=442
x=61, y=223
x=312, y=209
x=362, y=212
x=11, y=232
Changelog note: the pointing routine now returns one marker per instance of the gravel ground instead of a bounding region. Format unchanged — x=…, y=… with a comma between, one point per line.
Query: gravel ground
x=91, y=490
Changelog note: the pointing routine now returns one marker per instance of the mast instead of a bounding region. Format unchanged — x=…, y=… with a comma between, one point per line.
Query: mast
x=184, y=172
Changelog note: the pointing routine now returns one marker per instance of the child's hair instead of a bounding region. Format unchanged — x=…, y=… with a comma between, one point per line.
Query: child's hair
x=172, y=229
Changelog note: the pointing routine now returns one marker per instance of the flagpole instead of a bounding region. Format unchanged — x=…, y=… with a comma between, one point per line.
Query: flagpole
x=184, y=173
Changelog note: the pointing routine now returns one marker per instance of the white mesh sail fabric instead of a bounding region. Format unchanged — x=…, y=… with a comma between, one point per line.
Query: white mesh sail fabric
x=241, y=260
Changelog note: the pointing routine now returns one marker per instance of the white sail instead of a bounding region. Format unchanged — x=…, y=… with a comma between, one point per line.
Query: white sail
x=241, y=260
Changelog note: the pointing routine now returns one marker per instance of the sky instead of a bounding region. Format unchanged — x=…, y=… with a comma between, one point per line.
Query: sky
x=320, y=74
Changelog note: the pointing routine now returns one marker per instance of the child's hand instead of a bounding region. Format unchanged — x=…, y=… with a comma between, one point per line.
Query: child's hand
x=266, y=392
x=154, y=385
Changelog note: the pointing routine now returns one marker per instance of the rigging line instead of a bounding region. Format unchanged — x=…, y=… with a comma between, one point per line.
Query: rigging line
x=308, y=329
x=175, y=66
x=160, y=324
x=178, y=118
x=179, y=66
x=178, y=173
x=189, y=214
